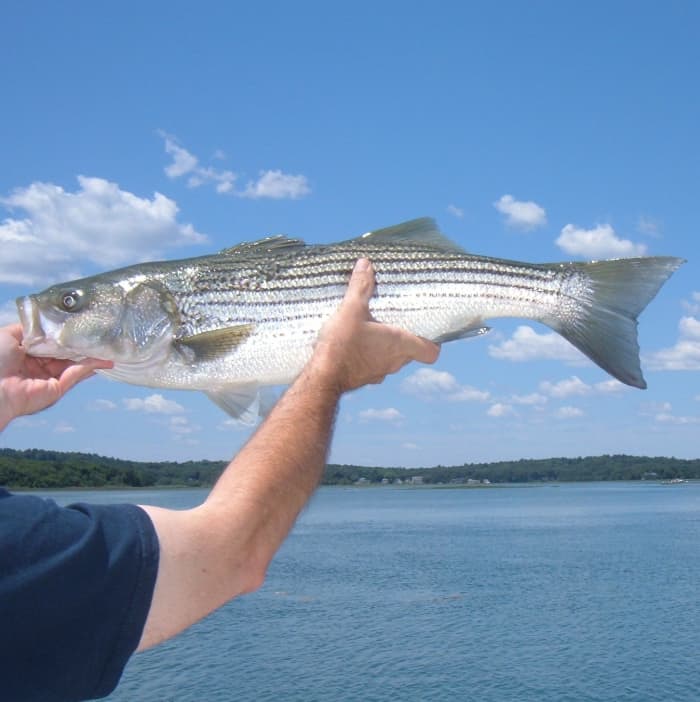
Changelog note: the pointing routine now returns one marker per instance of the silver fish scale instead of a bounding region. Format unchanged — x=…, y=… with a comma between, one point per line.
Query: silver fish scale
x=308, y=283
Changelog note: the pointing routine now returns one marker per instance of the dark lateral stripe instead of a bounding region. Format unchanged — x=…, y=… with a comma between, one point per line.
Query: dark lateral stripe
x=255, y=312
x=500, y=290
x=311, y=266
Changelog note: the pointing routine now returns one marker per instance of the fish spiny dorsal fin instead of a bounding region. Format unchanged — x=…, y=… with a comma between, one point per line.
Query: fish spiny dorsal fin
x=416, y=232
x=269, y=244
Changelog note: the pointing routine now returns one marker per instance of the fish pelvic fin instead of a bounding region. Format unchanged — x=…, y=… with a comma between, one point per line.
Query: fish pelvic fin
x=605, y=326
x=246, y=404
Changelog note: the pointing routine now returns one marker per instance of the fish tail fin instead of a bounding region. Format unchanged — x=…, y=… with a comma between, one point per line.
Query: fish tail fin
x=604, y=326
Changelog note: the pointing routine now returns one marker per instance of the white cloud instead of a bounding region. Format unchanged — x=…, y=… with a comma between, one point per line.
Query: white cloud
x=574, y=386
x=410, y=446
x=527, y=345
x=278, y=186
x=181, y=427
x=427, y=382
x=183, y=161
x=500, y=409
x=390, y=414
x=693, y=305
x=466, y=393
x=608, y=387
x=667, y=417
x=455, y=211
x=599, y=242
x=565, y=388
x=532, y=399
x=63, y=428
x=685, y=354
x=153, y=404
x=102, y=405
x=521, y=215
x=649, y=226
x=568, y=413
x=99, y=224
x=273, y=184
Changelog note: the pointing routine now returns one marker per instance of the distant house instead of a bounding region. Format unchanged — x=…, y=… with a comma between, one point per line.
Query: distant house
x=417, y=480
x=362, y=481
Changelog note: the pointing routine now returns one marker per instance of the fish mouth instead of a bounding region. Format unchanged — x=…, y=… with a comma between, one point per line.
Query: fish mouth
x=34, y=338
x=32, y=330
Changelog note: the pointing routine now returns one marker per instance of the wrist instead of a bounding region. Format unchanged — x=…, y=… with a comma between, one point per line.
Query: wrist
x=5, y=415
x=324, y=373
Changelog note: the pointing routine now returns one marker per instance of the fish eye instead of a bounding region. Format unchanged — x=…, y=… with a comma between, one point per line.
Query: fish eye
x=71, y=301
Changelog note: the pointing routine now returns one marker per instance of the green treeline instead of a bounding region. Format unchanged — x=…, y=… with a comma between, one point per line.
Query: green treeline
x=36, y=468
x=527, y=470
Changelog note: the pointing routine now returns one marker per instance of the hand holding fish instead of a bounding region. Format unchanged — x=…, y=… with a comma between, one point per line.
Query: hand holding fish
x=354, y=350
x=29, y=384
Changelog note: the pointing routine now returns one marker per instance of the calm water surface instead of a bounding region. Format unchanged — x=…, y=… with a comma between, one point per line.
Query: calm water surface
x=578, y=592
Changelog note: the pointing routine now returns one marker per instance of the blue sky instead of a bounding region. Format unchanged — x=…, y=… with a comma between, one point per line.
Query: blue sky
x=538, y=131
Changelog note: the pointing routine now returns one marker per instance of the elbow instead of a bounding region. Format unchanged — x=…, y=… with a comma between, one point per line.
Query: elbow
x=253, y=580
x=247, y=573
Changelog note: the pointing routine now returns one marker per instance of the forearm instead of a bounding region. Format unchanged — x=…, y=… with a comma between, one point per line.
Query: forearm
x=268, y=483
x=223, y=548
x=6, y=415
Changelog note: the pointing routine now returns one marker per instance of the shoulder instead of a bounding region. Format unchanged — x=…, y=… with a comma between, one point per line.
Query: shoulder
x=76, y=589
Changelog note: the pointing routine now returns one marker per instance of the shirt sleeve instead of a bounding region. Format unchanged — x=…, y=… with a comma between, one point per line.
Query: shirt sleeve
x=75, y=589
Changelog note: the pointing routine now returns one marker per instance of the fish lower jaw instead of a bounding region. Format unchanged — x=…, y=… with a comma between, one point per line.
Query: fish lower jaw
x=48, y=348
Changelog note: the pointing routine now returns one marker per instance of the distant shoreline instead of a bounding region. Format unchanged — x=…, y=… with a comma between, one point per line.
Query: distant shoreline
x=44, y=469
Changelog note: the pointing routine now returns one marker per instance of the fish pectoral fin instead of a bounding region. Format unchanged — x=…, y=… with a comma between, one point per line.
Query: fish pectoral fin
x=210, y=345
x=423, y=231
x=465, y=333
x=246, y=404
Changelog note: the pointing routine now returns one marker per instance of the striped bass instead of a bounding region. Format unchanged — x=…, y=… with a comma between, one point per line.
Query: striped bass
x=234, y=322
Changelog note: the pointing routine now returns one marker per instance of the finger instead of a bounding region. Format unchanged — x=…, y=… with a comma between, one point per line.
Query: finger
x=80, y=371
x=361, y=285
x=418, y=348
x=15, y=330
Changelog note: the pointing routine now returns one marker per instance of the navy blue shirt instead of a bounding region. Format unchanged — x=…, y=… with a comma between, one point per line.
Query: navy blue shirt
x=75, y=588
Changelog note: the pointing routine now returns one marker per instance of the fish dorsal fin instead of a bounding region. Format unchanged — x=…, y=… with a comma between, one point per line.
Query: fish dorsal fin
x=210, y=345
x=417, y=232
x=270, y=244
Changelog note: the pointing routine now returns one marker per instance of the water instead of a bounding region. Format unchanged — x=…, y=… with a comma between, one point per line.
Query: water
x=578, y=592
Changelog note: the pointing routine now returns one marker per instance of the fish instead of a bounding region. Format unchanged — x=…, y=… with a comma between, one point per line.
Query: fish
x=236, y=323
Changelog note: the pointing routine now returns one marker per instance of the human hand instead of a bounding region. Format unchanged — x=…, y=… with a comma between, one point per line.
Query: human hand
x=29, y=384
x=354, y=350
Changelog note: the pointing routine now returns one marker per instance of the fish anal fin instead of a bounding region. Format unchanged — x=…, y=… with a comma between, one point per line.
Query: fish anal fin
x=465, y=333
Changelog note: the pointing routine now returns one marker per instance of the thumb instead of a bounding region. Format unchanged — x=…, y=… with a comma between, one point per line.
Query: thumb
x=80, y=371
x=361, y=285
